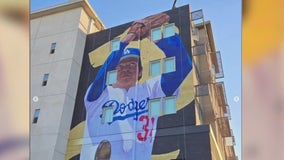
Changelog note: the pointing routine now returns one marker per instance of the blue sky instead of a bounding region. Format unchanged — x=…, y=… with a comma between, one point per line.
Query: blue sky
x=225, y=17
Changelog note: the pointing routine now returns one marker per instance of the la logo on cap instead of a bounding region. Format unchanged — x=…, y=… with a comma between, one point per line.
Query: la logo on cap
x=127, y=51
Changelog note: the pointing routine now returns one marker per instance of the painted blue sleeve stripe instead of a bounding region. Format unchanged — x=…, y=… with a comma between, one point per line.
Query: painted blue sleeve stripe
x=99, y=83
x=172, y=46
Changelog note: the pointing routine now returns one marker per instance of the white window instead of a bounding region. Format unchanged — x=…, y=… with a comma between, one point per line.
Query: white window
x=154, y=107
x=45, y=79
x=169, y=30
x=52, y=48
x=155, y=68
x=36, y=115
x=115, y=44
x=107, y=114
x=169, y=105
x=111, y=77
x=169, y=65
x=156, y=34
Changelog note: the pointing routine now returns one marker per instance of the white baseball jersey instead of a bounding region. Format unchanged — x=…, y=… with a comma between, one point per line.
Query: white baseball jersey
x=132, y=131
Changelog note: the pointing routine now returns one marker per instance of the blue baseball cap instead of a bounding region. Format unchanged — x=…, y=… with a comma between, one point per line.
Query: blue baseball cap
x=130, y=53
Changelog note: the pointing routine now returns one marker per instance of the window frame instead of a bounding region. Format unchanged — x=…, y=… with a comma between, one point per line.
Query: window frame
x=36, y=116
x=112, y=42
x=164, y=29
x=164, y=64
x=53, y=48
x=164, y=104
x=150, y=67
x=154, y=29
x=104, y=114
x=150, y=108
x=45, y=79
x=108, y=76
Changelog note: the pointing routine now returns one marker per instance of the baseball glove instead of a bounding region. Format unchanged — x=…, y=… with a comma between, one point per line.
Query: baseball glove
x=141, y=28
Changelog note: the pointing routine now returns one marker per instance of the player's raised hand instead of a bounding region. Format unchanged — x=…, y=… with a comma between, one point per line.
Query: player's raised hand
x=141, y=28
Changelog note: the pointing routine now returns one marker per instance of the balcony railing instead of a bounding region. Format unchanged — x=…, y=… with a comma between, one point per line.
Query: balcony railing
x=196, y=15
x=204, y=102
x=221, y=94
x=220, y=73
x=195, y=35
x=199, y=50
x=202, y=64
x=201, y=90
x=224, y=126
x=228, y=113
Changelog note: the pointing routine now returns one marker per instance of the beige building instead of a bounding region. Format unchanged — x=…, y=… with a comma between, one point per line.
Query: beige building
x=210, y=96
x=58, y=36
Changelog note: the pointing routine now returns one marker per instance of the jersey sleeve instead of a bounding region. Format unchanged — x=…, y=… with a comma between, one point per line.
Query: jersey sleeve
x=173, y=47
x=155, y=90
x=92, y=106
x=99, y=84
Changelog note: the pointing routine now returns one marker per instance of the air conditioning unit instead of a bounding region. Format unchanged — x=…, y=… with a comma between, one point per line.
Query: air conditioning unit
x=230, y=141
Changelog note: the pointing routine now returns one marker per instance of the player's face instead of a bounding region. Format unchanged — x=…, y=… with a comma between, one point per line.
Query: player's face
x=127, y=72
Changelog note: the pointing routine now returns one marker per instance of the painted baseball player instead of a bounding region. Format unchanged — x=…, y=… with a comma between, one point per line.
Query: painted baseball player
x=130, y=134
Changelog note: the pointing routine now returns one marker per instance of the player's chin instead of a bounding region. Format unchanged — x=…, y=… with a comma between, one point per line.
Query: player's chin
x=127, y=77
x=128, y=80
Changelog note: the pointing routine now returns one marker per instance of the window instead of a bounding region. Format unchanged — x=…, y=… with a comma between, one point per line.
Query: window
x=169, y=65
x=45, y=79
x=169, y=105
x=52, y=48
x=107, y=114
x=156, y=34
x=155, y=68
x=169, y=30
x=115, y=44
x=36, y=115
x=154, y=107
x=111, y=77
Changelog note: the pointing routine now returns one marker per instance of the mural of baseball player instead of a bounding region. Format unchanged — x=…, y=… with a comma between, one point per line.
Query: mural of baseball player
x=130, y=134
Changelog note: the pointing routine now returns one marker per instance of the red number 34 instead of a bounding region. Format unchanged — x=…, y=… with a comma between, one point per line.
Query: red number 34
x=145, y=128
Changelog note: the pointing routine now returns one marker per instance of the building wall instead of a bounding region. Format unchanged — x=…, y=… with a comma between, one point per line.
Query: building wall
x=73, y=67
x=56, y=100
x=177, y=135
